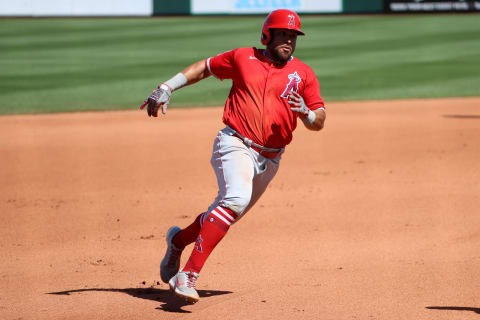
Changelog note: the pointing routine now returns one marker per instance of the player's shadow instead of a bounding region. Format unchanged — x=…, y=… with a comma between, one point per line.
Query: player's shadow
x=476, y=310
x=462, y=116
x=170, y=302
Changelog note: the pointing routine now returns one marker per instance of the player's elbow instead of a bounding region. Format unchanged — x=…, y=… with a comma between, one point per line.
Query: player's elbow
x=316, y=127
x=321, y=126
x=319, y=122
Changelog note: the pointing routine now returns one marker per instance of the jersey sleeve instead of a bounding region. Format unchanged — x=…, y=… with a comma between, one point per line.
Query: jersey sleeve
x=311, y=94
x=222, y=66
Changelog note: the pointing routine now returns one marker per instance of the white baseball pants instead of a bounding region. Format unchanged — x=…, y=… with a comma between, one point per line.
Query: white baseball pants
x=242, y=173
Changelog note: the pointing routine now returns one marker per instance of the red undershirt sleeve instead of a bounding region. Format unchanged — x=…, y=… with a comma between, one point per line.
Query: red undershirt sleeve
x=311, y=94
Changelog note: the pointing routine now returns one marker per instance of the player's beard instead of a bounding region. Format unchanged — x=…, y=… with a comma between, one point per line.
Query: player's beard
x=279, y=56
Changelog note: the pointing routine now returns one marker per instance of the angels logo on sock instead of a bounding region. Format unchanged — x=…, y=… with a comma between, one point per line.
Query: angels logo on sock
x=198, y=244
x=292, y=85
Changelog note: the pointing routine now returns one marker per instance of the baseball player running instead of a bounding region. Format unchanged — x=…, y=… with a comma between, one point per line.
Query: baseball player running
x=271, y=89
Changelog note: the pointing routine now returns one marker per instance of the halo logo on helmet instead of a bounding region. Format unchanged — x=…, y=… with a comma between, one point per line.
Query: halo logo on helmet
x=291, y=21
x=280, y=19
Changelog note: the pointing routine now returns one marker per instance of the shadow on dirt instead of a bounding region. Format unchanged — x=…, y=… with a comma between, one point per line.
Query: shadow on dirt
x=476, y=310
x=170, y=302
x=462, y=116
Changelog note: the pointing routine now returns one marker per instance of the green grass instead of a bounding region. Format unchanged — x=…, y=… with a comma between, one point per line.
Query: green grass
x=53, y=65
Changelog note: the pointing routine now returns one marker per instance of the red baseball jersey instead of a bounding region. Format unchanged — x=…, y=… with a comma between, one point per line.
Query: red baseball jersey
x=257, y=106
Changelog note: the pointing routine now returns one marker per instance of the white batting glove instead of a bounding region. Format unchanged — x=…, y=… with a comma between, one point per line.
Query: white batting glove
x=300, y=107
x=160, y=97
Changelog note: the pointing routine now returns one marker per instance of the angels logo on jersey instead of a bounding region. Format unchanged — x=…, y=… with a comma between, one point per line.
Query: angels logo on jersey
x=292, y=85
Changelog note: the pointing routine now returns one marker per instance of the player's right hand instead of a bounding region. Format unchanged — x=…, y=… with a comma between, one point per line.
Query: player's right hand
x=298, y=103
x=160, y=97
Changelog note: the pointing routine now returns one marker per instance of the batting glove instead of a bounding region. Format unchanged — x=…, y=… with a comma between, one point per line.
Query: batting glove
x=300, y=107
x=160, y=97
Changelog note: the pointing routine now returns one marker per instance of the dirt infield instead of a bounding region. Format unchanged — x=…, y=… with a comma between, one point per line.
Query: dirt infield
x=376, y=217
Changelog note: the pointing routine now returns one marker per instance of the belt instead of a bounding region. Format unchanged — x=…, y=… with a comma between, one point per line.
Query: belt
x=264, y=151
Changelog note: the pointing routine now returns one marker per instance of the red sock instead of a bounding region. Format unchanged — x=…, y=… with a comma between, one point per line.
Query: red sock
x=189, y=234
x=213, y=230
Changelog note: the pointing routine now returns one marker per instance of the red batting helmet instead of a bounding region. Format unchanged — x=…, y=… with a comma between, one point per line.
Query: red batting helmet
x=280, y=19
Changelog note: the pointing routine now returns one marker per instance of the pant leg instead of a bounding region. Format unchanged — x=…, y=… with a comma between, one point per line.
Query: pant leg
x=234, y=168
x=265, y=171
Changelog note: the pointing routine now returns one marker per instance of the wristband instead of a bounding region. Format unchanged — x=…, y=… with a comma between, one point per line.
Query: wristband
x=165, y=86
x=178, y=81
x=311, y=116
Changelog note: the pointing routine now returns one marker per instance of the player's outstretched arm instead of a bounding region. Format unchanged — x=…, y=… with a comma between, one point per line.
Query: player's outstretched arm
x=160, y=97
x=313, y=120
x=196, y=72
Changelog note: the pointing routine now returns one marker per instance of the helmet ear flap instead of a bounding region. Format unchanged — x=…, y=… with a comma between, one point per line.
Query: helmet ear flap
x=265, y=38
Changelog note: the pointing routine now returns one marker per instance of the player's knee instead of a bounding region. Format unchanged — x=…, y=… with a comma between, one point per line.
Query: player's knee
x=237, y=204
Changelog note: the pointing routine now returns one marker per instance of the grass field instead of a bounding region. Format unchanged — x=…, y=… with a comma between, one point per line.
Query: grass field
x=52, y=65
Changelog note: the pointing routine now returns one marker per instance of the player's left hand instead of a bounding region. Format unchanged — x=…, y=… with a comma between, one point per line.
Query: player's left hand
x=160, y=97
x=298, y=104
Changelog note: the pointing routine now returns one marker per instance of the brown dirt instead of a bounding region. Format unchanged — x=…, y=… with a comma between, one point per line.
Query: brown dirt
x=376, y=217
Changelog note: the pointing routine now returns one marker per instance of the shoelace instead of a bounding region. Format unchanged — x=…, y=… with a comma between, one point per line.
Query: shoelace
x=191, y=280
